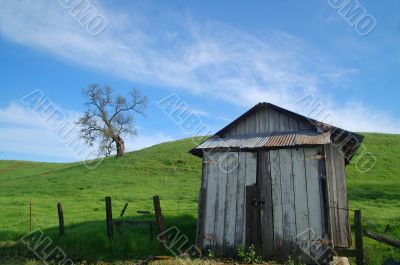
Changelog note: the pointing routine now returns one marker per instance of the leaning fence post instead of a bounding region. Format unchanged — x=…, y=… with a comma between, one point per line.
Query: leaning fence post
x=358, y=237
x=159, y=220
x=123, y=210
x=60, y=218
x=109, y=221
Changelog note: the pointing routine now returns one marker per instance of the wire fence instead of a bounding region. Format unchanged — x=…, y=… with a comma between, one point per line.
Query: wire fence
x=22, y=216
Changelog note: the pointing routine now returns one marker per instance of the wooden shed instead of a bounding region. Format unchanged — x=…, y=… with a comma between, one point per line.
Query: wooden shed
x=276, y=180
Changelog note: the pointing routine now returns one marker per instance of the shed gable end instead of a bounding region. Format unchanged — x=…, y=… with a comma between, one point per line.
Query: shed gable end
x=266, y=120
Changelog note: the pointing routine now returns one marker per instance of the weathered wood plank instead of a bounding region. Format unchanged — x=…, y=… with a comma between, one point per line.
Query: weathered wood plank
x=301, y=205
x=289, y=217
x=265, y=184
x=307, y=125
x=253, y=225
x=230, y=205
x=293, y=124
x=202, y=204
x=251, y=179
x=204, y=172
x=251, y=124
x=241, y=201
x=283, y=122
x=314, y=204
x=266, y=128
x=273, y=121
x=219, y=217
x=211, y=169
x=331, y=184
x=251, y=168
x=332, y=215
x=233, y=131
x=324, y=200
x=277, y=204
x=344, y=232
x=259, y=121
x=241, y=128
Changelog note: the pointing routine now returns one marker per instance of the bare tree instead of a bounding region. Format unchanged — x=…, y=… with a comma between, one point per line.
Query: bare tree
x=107, y=119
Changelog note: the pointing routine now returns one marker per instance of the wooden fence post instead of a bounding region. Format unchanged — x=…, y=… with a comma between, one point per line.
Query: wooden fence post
x=109, y=221
x=123, y=210
x=159, y=220
x=60, y=218
x=30, y=215
x=358, y=238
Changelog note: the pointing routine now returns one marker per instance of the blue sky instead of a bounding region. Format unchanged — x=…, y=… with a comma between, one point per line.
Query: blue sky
x=219, y=57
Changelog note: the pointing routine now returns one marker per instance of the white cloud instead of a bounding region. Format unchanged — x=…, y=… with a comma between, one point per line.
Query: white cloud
x=339, y=75
x=353, y=116
x=361, y=118
x=145, y=140
x=172, y=50
x=212, y=60
x=21, y=131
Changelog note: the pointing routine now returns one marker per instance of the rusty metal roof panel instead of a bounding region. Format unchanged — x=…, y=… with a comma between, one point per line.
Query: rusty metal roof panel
x=322, y=138
x=271, y=140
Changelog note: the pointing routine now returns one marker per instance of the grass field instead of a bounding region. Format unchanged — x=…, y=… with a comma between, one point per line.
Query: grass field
x=169, y=171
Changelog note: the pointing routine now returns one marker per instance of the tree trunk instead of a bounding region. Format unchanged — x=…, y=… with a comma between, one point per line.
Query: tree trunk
x=120, y=147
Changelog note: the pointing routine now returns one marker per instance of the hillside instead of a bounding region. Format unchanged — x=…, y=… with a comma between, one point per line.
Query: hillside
x=169, y=171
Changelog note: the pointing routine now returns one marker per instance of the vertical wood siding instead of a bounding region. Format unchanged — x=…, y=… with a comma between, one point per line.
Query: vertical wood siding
x=314, y=197
x=224, y=211
x=219, y=217
x=240, y=229
x=301, y=203
x=336, y=180
x=211, y=171
x=277, y=204
x=268, y=120
x=230, y=205
x=266, y=214
x=289, y=214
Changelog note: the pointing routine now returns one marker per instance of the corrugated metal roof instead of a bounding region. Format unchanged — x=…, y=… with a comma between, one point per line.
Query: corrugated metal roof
x=350, y=141
x=271, y=140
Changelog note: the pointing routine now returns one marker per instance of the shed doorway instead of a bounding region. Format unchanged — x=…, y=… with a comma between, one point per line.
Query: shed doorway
x=285, y=208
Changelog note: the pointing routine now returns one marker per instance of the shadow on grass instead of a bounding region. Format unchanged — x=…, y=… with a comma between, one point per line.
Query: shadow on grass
x=88, y=241
x=368, y=192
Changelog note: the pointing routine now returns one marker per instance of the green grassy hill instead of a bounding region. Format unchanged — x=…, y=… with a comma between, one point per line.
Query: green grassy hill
x=169, y=171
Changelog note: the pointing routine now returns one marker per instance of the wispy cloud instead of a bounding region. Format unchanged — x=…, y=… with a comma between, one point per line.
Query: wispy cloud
x=209, y=60
x=336, y=76
x=174, y=51
x=21, y=132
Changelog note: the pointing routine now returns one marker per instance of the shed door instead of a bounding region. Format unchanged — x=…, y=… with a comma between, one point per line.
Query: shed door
x=222, y=219
x=285, y=208
x=259, y=209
